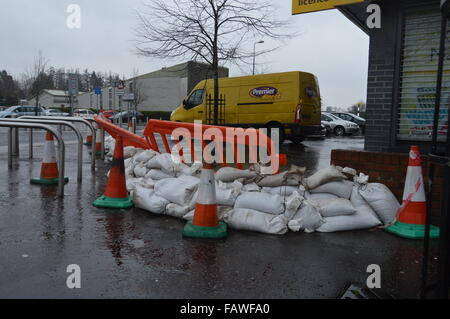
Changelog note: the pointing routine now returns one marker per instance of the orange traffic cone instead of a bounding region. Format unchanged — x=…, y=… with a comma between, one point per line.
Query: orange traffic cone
x=206, y=223
x=88, y=140
x=49, y=167
x=411, y=215
x=130, y=126
x=116, y=194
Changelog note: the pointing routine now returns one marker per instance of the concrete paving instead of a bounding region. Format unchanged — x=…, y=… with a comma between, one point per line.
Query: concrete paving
x=136, y=254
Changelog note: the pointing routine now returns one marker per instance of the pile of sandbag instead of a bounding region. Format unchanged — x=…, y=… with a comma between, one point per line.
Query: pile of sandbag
x=332, y=199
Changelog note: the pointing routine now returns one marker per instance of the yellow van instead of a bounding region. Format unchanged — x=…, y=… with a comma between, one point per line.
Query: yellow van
x=289, y=101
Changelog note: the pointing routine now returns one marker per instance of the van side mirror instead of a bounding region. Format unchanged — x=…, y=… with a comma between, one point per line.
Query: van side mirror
x=184, y=102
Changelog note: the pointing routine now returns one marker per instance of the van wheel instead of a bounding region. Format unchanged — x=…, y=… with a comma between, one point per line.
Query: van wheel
x=339, y=131
x=297, y=139
x=280, y=130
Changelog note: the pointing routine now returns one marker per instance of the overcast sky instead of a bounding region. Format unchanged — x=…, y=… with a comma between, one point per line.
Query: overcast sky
x=329, y=45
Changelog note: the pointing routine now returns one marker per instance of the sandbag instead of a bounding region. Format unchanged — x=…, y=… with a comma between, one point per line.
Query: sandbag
x=230, y=174
x=252, y=187
x=192, y=170
x=320, y=196
x=307, y=218
x=145, y=156
x=165, y=163
x=382, y=201
x=263, y=202
x=249, y=219
x=140, y=170
x=335, y=207
x=324, y=176
x=175, y=190
x=130, y=151
x=227, y=196
x=176, y=210
x=132, y=183
x=157, y=174
x=363, y=218
x=145, y=198
x=292, y=177
x=280, y=190
x=342, y=189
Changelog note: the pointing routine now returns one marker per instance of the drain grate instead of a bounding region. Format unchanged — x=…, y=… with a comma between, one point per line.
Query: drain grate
x=355, y=291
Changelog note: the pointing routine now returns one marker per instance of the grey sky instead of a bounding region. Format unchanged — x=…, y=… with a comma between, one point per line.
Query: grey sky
x=329, y=45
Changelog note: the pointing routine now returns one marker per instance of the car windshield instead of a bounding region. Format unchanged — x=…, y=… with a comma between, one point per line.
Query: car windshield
x=333, y=117
x=357, y=117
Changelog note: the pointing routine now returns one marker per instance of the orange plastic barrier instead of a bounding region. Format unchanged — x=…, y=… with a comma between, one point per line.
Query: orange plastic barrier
x=129, y=139
x=164, y=128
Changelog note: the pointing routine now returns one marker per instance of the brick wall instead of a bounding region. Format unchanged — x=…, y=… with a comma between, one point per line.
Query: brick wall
x=389, y=169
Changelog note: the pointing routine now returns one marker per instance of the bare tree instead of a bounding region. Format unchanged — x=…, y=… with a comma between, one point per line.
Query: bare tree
x=137, y=89
x=213, y=31
x=36, y=78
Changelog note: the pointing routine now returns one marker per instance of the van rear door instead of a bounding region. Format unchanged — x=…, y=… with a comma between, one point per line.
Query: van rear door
x=310, y=100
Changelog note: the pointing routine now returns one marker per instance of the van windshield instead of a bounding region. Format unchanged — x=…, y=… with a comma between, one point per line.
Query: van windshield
x=195, y=99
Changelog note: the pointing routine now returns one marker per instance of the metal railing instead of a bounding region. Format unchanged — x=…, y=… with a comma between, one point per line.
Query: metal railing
x=66, y=119
x=59, y=123
x=61, y=149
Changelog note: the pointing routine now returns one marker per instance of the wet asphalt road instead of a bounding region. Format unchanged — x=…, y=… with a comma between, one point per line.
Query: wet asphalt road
x=135, y=254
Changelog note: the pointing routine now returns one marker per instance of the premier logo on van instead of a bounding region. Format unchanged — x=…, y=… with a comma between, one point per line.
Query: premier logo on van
x=263, y=91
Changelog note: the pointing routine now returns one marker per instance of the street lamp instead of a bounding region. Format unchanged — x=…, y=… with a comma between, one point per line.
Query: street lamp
x=254, y=54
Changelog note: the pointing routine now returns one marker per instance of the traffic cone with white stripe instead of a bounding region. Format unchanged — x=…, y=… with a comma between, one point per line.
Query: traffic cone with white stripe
x=411, y=215
x=49, y=167
x=206, y=222
x=116, y=194
x=130, y=126
x=98, y=142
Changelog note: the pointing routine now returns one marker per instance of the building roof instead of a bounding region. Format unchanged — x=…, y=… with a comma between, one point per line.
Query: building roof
x=59, y=92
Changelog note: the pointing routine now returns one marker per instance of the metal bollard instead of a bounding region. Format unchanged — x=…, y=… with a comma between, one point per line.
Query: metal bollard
x=10, y=133
x=30, y=143
x=15, y=139
x=134, y=122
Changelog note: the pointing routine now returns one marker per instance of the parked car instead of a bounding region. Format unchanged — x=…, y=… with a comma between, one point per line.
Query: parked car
x=109, y=114
x=22, y=110
x=84, y=113
x=338, y=126
x=54, y=112
x=127, y=115
x=352, y=118
x=327, y=128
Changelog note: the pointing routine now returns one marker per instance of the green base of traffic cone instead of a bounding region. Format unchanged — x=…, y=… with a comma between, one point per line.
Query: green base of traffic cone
x=107, y=202
x=412, y=231
x=193, y=231
x=47, y=181
x=87, y=143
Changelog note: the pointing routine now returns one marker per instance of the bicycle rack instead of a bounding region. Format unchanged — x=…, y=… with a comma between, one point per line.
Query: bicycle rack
x=67, y=119
x=60, y=123
x=61, y=149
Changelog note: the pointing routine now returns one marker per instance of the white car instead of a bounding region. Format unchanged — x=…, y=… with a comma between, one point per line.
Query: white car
x=339, y=126
x=84, y=113
x=54, y=112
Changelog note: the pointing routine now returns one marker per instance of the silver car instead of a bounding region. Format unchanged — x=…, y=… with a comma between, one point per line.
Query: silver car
x=339, y=126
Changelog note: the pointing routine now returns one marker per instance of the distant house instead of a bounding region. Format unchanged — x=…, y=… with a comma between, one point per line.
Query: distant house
x=162, y=90
x=53, y=99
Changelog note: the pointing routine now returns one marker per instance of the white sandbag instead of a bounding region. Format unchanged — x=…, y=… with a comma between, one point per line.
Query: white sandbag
x=349, y=171
x=145, y=156
x=248, y=219
x=263, y=202
x=280, y=190
x=176, y=210
x=145, y=198
x=164, y=162
x=194, y=169
x=252, y=187
x=342, y=189
x=293, y=203
x=147, y=183
x=175, y=190
x=225, y=197
x=292, y=177
x=363, y=218
x=307, y=218
x=335, y=207
x=324, y=176
x=157, y=174
x=320, y=196
x=130, y=151
x=132, y=183
x=190, y=180
x=140, y=170
x=128, y=162
x=230, y=174
x=382, y=201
